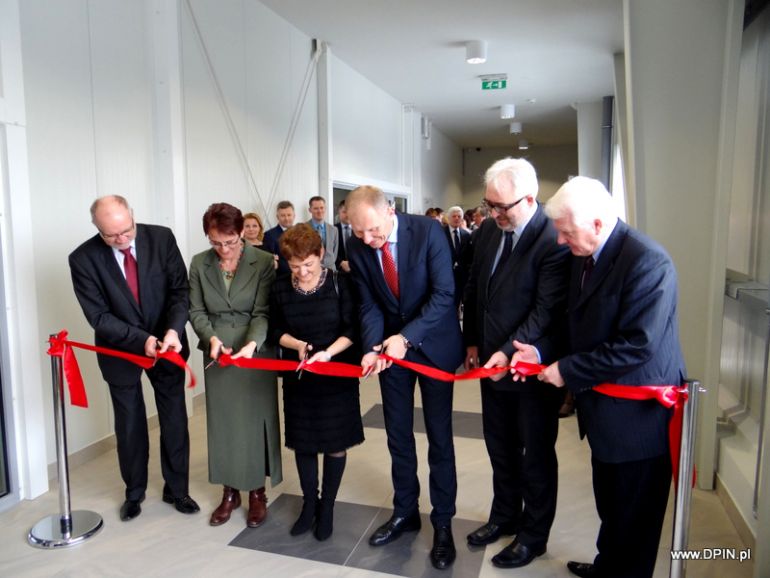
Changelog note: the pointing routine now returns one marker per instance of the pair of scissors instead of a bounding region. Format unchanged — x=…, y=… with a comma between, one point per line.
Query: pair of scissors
x=209, y=364
x=369, y=371
x=301, y=366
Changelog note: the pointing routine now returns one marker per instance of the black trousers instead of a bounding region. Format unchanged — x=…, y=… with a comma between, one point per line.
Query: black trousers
x=520, y=430
x=132, y=437
x=397, y=387
x=631, y=499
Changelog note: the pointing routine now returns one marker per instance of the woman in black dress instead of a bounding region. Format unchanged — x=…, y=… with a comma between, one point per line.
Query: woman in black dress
x=312, y=317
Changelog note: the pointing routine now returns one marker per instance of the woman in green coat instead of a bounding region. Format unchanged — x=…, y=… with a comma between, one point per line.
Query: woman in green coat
x=229, y=302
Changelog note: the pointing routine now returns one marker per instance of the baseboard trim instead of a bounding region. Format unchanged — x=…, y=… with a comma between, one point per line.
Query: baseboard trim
x=743, y=529
x=108, y=443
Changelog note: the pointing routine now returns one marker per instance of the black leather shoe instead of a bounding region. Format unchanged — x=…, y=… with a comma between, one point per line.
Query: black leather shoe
x=582, y=569
x=443, y=553
x=516, y=555
x=131, y=509
x=393, y=528
x=488, y=533
x=184, y=504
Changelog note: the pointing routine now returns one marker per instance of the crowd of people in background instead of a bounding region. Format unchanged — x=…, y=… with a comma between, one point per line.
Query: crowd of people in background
x=565, y=284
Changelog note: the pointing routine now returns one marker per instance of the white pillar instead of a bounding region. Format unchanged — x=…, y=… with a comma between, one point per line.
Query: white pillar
x=589, y=129
x=682, y=60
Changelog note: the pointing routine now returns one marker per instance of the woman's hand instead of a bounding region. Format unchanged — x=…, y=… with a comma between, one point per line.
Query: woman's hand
x=247, y=351
x=322, y=355
x=217, y=348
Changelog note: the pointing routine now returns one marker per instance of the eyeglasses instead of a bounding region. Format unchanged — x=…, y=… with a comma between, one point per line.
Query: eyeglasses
x=500, y=207
x=116, y=236
x=225, y=244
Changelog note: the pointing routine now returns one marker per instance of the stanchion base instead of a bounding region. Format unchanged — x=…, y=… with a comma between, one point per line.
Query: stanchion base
x=48, y=532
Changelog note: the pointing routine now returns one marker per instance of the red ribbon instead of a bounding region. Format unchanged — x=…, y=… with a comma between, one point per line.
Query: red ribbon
x=61, y=347
x=667, y=395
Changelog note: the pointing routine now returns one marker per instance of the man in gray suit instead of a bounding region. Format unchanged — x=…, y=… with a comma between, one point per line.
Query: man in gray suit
x=328, y=232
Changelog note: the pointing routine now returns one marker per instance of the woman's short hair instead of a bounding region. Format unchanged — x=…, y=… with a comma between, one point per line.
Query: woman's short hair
x=256, y=217
x=300, y=241
x=223, y=217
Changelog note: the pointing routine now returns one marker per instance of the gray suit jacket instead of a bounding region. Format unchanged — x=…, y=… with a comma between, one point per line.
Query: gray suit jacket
x=330, y=247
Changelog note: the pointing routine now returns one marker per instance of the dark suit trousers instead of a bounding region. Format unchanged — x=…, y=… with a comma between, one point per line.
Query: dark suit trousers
x=520, y=430
x=397, y=387
x=631, y=499
x=132, y=437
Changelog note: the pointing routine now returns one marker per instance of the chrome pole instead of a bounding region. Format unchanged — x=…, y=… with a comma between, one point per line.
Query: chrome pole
x=684, y=484
x=66, y=528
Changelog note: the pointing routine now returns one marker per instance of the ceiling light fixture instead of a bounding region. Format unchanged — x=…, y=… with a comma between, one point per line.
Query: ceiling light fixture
x=516, y=128
x=523, y=144
x=507, y=111
x=476, y=52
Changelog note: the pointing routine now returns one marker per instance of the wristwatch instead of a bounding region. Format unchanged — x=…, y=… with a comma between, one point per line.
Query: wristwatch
x=407, y=345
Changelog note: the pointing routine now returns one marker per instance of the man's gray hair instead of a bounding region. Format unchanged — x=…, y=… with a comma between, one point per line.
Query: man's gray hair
x=519, y=172
x=584, y=200
x=455, y=209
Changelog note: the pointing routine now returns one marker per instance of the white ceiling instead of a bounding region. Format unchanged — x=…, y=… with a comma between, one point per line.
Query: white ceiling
x=555, y=52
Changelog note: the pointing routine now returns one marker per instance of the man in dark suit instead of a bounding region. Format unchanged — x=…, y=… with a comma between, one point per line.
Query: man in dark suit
x=459, y=241
x=344, y=233
x=517, y=288
x=131, y=283
x=622, y=328
x=284, y=213
x=401, y=265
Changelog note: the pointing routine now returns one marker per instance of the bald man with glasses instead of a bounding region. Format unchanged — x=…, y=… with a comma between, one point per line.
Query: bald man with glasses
x=131, y=283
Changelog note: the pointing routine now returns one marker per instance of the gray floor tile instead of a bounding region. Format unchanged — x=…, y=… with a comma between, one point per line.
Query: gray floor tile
x=465, y=424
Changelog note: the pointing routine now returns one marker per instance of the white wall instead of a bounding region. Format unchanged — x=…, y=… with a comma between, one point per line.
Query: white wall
x=441, y=169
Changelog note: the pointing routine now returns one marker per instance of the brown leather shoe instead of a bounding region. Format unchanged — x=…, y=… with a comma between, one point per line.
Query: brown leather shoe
x=257, y=508
x=231, y=499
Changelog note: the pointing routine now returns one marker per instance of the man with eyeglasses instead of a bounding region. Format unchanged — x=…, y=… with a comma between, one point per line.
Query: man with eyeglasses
x=131, y=282
x=516, y=289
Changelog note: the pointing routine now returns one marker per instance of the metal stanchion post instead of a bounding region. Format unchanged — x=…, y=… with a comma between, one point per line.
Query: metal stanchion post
x=67, y=528
x=684, y=485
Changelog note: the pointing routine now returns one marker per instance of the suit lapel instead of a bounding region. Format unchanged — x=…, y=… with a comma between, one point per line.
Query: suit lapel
x=245, y=272
x=214, y=276
x=605, y=263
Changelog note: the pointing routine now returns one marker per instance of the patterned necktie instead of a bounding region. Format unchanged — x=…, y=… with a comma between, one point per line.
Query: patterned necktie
x=132, y=276
x=588, y=267
x=321, y=231
x=389, y=269
x=345, y=235
x=457, y=240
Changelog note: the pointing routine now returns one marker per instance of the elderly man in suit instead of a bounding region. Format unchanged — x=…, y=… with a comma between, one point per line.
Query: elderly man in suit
x=131, y=283
x=401, y=265
x=459, y=241
x=284, y=213
x=328, y=233
x=622, y=328
x=517, y=289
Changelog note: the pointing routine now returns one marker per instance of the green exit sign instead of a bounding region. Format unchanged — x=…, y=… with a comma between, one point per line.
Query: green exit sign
x=493, y=84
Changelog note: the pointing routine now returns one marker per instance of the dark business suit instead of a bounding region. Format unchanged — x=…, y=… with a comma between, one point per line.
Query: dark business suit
x=342, y=253
x=425, y=314
x=523, y=298
x=623, y=329
x=460, y=260
x=270, y=243
x=120, y=323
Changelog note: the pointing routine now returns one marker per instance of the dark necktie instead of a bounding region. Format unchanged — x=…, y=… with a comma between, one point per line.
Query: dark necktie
x=345, y=235
x=505, y=253
x=588, y=267
x=457, y=240
x=132, y=276
x=389, y=269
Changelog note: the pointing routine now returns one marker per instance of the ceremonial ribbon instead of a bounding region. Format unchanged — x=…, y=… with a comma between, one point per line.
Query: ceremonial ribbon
x=667, y=395
x=62, y=347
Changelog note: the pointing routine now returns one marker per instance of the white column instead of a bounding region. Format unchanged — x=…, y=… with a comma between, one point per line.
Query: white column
x=325, y=152
x=22, y=340
x=682, y=60
x=589, y=129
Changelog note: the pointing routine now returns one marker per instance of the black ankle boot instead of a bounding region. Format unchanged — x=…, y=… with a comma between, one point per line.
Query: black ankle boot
x=333, y=470
x=307, y=468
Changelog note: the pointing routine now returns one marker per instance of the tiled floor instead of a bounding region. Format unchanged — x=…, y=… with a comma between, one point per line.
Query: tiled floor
x=164, y=543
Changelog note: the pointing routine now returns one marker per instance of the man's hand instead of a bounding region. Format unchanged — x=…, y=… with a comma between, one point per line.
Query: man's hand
x=171, y=341
x=498, y=359
x=551, y=374
x=525, y=353
x=246, y=351
x=345, y=266
x=471, y=358
x=151, y=346
x=395, y=346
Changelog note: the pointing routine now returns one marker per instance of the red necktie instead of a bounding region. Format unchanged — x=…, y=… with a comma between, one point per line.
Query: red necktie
x=132, y=277
x=389, y=269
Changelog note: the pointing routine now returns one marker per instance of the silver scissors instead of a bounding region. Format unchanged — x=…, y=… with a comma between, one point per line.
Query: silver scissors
x=301, y=366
